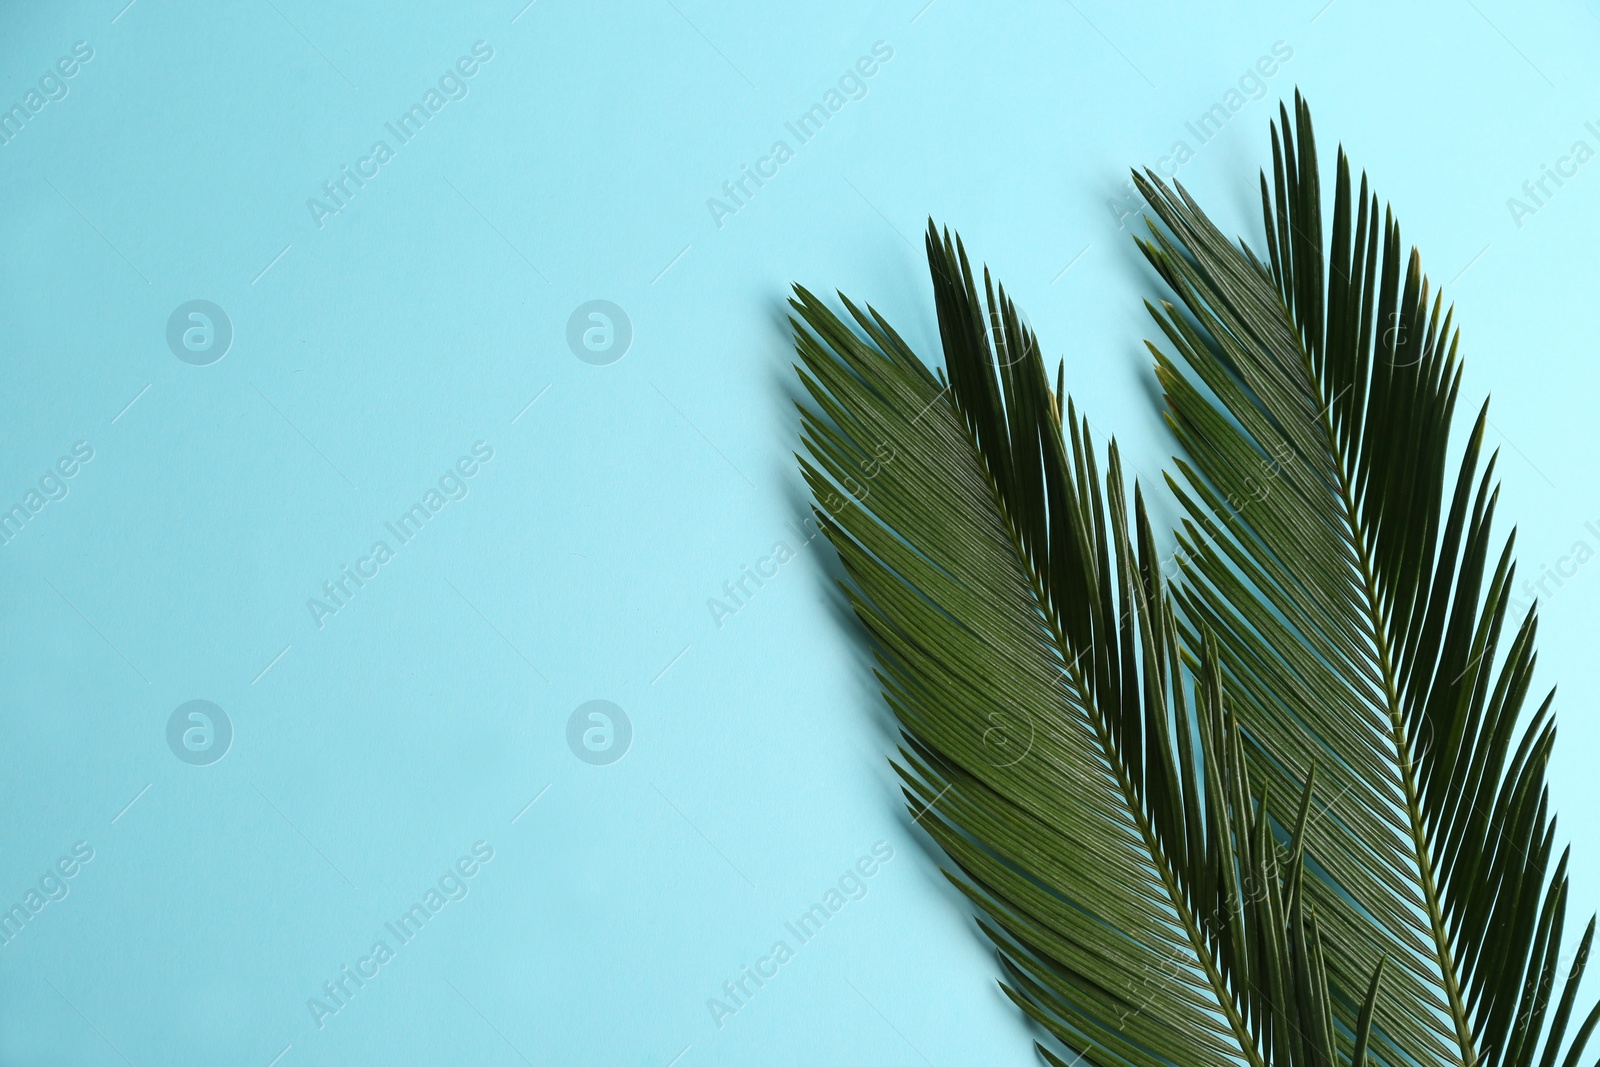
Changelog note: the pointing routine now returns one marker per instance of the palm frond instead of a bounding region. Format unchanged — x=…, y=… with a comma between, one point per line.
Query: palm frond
x=1145, y=907
x=1361, y=611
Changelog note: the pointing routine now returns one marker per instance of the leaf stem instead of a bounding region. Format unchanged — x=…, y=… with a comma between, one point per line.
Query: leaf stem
x=1219, y=985
x=1397, y=729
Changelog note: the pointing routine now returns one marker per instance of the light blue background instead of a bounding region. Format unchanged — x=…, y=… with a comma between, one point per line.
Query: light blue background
x=423, y=318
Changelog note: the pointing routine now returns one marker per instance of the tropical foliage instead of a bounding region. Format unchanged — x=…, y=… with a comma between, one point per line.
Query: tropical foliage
x=1269, y=803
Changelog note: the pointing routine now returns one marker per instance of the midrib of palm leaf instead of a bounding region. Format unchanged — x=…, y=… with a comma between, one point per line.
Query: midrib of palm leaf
x=1133, y=797
x=1357, y=535
x=1269, y=577
x=1378, y=621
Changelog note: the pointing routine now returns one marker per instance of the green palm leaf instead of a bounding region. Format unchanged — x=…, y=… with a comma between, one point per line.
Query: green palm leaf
x=1096, y=803
x=1280, y=815
x=1360, y=606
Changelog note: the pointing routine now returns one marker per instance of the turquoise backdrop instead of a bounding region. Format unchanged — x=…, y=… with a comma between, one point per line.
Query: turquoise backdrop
x=396, y=381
